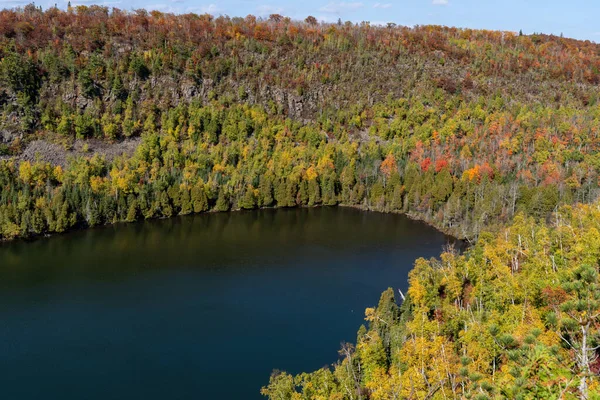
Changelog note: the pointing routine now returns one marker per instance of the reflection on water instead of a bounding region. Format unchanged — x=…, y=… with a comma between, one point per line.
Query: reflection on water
x=203, y=306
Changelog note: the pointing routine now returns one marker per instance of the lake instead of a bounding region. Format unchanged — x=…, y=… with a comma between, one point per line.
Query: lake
x=195, y=307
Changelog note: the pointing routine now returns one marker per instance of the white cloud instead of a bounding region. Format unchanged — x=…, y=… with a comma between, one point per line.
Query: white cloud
x=440, y=2
x=266, y=10
x=212, y=9
x=382, y=5
x=209, y=9
x=340, y=7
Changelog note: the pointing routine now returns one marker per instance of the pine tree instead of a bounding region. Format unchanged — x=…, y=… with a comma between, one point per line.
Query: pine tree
x=199, y=198
x=248, y=202
x=132, y=212
x=186, y=202
x=222, y=201
x=265, y=188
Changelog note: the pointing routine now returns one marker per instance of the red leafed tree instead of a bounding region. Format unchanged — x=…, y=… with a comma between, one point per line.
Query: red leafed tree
x=440, y=164
x=425, y=164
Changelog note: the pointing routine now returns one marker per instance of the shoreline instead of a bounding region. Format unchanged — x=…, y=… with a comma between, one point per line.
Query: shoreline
x=410, y=216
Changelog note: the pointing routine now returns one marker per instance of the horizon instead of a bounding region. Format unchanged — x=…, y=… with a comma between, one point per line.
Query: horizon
x=553, y=17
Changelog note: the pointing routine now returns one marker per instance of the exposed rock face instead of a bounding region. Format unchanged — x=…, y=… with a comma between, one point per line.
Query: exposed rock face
x=41, y=150
x=9, y=127
x=7, y=136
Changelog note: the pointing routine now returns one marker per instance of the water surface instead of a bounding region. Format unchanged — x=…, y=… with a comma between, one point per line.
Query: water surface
x=196, y=307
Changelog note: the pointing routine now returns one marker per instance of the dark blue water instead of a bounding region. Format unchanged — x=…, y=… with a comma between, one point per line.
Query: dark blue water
x=198, y=307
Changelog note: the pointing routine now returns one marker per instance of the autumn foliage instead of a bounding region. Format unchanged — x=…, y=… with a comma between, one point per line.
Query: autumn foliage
x=493, y=124
x=516, y=316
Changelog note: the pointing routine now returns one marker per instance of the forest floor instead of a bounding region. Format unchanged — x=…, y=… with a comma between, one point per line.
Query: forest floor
x=58, y=154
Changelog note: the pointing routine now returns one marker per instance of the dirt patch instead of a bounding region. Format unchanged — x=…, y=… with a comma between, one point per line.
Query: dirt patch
x=56, y=154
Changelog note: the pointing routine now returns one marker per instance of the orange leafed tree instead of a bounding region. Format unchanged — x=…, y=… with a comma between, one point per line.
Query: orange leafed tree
x=388, y=166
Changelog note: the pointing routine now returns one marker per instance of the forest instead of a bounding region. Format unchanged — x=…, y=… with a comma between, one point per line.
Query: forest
x=515, y=317
x=460, y=128
x=489, y=136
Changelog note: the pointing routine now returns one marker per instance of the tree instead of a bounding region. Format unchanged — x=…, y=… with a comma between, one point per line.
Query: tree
x=578, y=314
x=138, y=67
x=442, y=187
x=22, y=76
x=222, y=201
x=387, y=167
x=310, y=20
x=281, y=387
x=132, y=211
x=199, y=198
x=186, y=202
x=118, y=89
x=265, y=188
x=248, y=202
x=65, y=126
x=87, y=85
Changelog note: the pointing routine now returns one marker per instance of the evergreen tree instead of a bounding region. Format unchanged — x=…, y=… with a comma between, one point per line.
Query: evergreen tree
x=222, y=202
x=199, y=198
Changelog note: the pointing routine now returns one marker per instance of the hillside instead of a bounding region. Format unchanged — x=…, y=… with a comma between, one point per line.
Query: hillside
x=460, y=128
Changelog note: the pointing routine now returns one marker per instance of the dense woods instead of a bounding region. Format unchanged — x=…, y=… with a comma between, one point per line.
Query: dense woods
x=460, y=128
x=516, y=317
x=472, y=131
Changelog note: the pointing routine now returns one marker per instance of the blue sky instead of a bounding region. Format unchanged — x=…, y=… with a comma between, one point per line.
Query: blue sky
x=574, y=18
